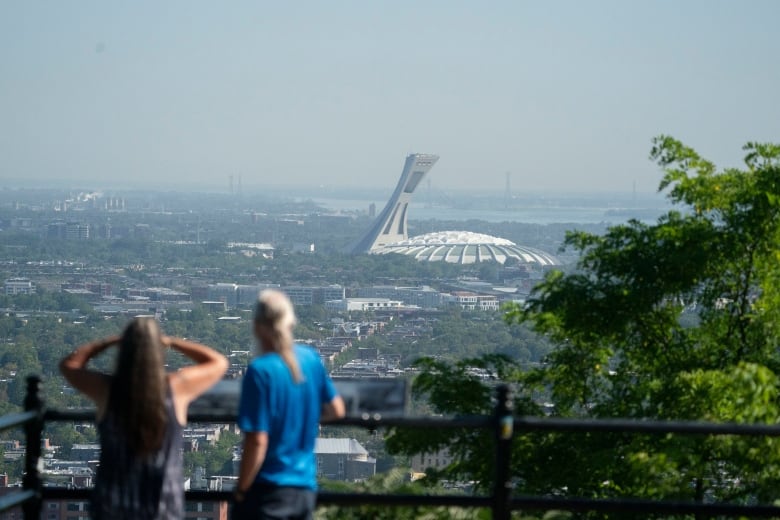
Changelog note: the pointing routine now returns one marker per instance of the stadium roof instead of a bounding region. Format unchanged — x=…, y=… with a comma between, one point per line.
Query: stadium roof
x=464, y=247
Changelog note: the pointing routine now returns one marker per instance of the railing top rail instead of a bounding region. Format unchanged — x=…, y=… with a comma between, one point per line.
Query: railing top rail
x=521, y=423
x=16, y=498
x=15, y=420
x=477, y=421
x=530, y=423
x=88, y=415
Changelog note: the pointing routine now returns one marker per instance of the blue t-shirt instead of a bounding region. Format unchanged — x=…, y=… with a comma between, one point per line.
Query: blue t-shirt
x=289, y=413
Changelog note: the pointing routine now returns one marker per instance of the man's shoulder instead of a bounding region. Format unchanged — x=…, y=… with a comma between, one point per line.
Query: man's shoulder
x=306, y=352
x=264, y=363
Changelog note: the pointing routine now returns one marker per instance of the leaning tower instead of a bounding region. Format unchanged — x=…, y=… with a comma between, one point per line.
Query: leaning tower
x=390, y=225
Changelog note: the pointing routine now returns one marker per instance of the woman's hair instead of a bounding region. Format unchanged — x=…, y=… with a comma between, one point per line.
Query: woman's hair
x=274, y=311
x=139, y=386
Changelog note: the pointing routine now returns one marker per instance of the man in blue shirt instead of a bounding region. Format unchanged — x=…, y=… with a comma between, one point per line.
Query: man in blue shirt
x=285, y=395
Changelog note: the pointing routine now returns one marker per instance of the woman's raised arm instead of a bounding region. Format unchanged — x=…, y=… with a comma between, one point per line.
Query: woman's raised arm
x=92, y=383
x=191, y=381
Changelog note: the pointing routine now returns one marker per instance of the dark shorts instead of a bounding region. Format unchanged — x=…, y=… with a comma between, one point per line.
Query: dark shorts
x=264, y=502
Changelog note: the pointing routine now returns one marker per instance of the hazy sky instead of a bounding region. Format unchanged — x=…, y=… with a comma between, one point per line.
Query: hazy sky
x=564, y=94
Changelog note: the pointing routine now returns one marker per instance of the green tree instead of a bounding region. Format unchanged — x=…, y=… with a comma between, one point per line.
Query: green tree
x=675, y=320
x=672, y=320
x=461, y=389
x=395, y=481
x=216, y=459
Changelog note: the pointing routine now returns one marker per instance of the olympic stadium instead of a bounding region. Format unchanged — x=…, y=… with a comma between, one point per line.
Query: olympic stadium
x=464, y=247
x=388, y=233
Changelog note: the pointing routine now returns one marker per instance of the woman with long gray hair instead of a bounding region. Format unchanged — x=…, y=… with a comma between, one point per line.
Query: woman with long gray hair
x=141, y=411
x=285, y=394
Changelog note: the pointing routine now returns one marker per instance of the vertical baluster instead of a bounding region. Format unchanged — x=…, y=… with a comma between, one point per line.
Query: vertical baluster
x=503, y=430
x=34, y=433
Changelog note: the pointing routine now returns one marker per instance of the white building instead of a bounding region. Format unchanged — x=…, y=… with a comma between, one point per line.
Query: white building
x=424, y=297
x=362, y=304
x=313, y=295
x=237, y=295
x=205, y=435
x=15, y=286
x=469, y=301
x=437, y=460
x=225, y=292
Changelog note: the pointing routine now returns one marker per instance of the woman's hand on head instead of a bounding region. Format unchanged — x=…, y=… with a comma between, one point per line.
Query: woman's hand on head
x=107, y=342
x=74, y=368
x=167, y=341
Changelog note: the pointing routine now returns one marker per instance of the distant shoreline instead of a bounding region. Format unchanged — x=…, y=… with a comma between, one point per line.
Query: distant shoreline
x=554, y=213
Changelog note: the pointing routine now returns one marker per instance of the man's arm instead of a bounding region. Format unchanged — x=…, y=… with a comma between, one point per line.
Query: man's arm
x=255, y=447
x=333, y=410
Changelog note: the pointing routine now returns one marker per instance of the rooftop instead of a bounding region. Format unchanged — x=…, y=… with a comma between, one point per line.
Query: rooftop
x=465, y=247
x=340, y=445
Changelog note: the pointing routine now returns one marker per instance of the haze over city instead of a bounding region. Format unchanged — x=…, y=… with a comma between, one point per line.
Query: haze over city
x=566, y=95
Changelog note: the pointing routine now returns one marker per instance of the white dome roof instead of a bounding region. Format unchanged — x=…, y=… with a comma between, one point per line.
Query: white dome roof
x=465, y=247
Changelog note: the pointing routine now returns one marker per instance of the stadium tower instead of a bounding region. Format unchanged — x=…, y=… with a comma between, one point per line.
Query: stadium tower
x=390, y=226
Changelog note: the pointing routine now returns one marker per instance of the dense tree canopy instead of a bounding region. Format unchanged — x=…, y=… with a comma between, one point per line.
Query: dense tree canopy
x=674, y=320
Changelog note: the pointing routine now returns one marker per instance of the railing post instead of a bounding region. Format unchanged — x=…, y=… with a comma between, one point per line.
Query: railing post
x=34, y=433
x=503, y=429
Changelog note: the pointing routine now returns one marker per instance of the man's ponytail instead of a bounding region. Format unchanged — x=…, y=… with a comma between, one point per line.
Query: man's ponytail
x=275, y=311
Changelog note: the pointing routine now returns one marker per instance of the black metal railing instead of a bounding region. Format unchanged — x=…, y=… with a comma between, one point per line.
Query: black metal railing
x=501, y=500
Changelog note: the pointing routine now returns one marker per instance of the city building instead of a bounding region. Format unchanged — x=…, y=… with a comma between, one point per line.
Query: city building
x=22, y=222
x=343, y=459
x=253, y=249
x=56, y=229
x=235, y=295
x=76, y=231
x=469, y=301
x=204, y=435
x=224, y=292
x=210, y=510
x=14, y=286
x=314, y=295
x=329, y=348
x=246, y=295
x=303, y=247
x=214, y=306
x=99, y=288
x=424, y=297
x=85, y=452
x=367, y=369
x=437, y=460
x=157, y=294
x=363, y=304
x=65, y=510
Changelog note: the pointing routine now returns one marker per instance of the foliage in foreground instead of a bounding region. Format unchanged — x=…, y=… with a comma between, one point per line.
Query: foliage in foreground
x=393, y=482
x=674, y=320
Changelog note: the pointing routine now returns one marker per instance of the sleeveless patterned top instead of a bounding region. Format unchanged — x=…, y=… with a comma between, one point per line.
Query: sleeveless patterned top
x=129, y=487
